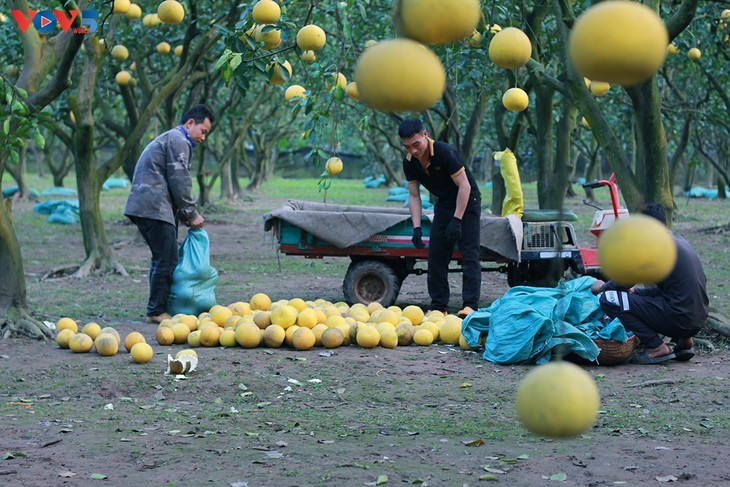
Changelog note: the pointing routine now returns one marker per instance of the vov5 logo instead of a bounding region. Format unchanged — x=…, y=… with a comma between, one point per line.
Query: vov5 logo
x=45, y=21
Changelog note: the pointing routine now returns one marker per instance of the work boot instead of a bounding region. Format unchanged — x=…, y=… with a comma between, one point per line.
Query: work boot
x=158, y=319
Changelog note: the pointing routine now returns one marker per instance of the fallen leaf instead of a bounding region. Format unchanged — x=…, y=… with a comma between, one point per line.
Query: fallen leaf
x=560, y=477
x=667, y=478
x=340, y=391
x=98, y=476
x=418, y=482
x=477, y=442
x=382, y=479
x=493, y=470
x=315, y=381
x=464, y=385
x=274, y=454
x=239, y=484
x=109, y=407
x=326, y=354
x=250, y=433
x=67, y=474
x=631, y=467
x=488, y=476
x=662, y=448
x=524, y=456
x=294, y=381
x=282, y=443
x=263, y=404
x=242, y=387
x=326, y=442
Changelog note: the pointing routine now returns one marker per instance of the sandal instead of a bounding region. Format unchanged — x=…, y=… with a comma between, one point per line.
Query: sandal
x=643, y=358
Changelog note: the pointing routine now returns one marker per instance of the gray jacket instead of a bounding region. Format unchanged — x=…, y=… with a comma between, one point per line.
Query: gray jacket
x=162, y=188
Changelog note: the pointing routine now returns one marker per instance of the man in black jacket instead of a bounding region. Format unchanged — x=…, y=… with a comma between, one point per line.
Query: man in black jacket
x=438, y=166
x=676, y=307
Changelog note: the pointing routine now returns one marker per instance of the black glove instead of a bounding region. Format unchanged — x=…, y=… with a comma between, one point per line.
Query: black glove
x=417, y=234
x=453, y=230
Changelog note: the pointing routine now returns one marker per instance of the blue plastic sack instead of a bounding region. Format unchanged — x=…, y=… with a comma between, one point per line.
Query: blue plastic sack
x=64, y=212
x=398, y=190
x=10, y=192
x=59, y=191
x=194, y=280
x=113, y=183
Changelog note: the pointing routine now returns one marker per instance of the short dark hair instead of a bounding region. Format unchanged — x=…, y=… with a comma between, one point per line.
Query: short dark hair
x=656, y=211
x=409, y=127
x=198, y=113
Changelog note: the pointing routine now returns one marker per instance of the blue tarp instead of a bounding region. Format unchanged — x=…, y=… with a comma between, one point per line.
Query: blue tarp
x=374, y=182
x=113, y=183
x=64, y=212
x=10, y=192
x=59, y=191
x=527, y=323
x=700, y=192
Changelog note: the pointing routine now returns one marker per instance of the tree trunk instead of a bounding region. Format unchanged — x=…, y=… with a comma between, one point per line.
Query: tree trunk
x=563, y=166
x=544, y=146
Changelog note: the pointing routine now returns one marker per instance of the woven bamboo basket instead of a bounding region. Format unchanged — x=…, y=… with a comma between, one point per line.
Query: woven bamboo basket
x=613, y=352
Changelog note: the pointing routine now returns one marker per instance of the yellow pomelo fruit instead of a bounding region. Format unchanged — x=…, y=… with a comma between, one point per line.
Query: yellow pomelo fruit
x=351, y=90
x=228, y=338
x=63, y=337
x=557, y=400
x=171, y=12
x=368, y=337
x=405, y=334
x=122, y=78
x=309, y=57
x=307, y=318
x=464, y=344
x=151, y=20
x=334, y=320
x=134, y=12
x=383, y=326
x=270, y=37
x=400, y=75
x=414, y=314
x=359, y=314
x=164, y=47
x=346, y=328
x=694, y=54
x=92, y=329
x=284, y=315
x=289, y=333
x=274, y=336
x=210, y=336
x=585, y=123
x=370, y=43
x=141, y=352
x=618, y=42
x=239, y=308
x=334, y=80
x=423, y=337
x=67, y=324
x=121, y=6
x=260, y=302
x=600, y=88
x=298, y=303
x=178, y=50
x=262, y=319
x=637, y=249
x=388, y=316
x=333, y=166
x=266, y=12
x=112, y=331
x=120, y=53
x=321, y=315
x=186, y=351
x=395, y=309
x=332, y=338
x=432, y=327
x=434, y=315
x=388, y=338
x=219, y=314
x=318, y=331
x=248, y=335
x=132, y=339
x=436, y=21
x=80, y=343
x=450, y=332
x=106, y=345
x=181, y=332
x=510, y=48
x=373, y=307
x=303, y=339
x=164, y=335
x=194, y=338
x=725, y=14
x=475, y=39
x=190, y=320
x=515, y=99
x=352, y=335
x=672, y=49
x=311, y=38
x=494, y=28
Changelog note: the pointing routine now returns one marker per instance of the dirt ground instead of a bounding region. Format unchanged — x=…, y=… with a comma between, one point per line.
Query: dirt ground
x=414, y=415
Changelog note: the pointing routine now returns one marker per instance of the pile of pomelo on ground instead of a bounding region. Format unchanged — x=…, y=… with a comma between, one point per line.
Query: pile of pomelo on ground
x=296, y=323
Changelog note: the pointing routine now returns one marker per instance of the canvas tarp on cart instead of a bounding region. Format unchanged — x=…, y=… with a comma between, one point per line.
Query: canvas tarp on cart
x=344, y=225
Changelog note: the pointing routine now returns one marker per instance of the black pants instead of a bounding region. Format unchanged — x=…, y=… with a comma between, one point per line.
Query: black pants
x=644, y=316
x=440, y=251
x=161, y=237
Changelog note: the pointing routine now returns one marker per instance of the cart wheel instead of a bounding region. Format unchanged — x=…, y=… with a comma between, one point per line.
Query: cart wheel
x=369, y=280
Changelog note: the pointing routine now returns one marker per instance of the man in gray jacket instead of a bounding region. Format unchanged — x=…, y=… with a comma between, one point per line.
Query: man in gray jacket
x=162, y=195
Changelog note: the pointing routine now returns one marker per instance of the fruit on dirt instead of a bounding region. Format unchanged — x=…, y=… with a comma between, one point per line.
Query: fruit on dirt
x=333, y=166
x=228, y=338
x=414, y=314
x=260, y=301
x=694, y=54
x=332, y=338
x=557, y=400
x=112, y=331
x=284, y=315
x=142, y=352
x=367, y=337
x=67, y=323
x=303, y=339
x=121, y=6
x=164, y=335
x=80, y=343
x=463, y=344
x=400, y=75
x=122, y=78
x=351, y=90
x=190, y=320
x=451, y=330
x=106, y=345
x=515, y=99
x=405, y=334
x=266, y=12
x=307, y=318
x=186, y=351
x=171, y=12
x=618, y=42
x=289, y=334
x=510, y=48
x=164, y=47
x=181, y=332
x=637, y=249
x=294, y=91
x=433, y=328
x=194, y=338
x=311, y=38
x=210, y=335
x=63, y=337
x=274, y=336
x=436, y=21
x=219, y=314
x=318, y=331
x=134, y=12
x=248, y=335
x=388, y=338
x=132, y=339
x=262, y=319
x=600, y=88
x=423, y=337
x=120, y=53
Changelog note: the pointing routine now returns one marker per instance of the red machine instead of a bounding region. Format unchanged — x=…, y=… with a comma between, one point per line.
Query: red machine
x=602, y=219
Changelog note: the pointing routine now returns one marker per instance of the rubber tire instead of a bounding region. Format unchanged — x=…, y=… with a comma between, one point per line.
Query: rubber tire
x=371, y=280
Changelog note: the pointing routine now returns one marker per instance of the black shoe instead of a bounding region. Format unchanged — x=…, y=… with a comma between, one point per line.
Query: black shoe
x=643, y=358
x=683, y=350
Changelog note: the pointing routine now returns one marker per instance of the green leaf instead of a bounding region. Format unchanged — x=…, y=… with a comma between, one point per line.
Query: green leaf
x=14, y=156
x=382, y=479
x=6, y=126
x=561, y=477
x=339, y=93
x=98, y=476
x=236, y=60
x=488, y=476
x=225, y=57
x=39, y=140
